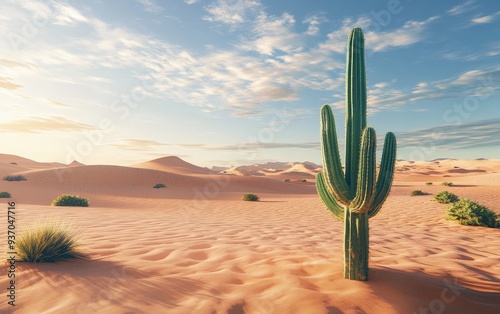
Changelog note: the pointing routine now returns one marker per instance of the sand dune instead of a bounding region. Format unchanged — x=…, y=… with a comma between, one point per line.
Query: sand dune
x=195, y=247
x=173, y=164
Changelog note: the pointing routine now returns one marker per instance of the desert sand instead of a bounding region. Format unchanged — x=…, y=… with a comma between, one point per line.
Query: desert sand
x=196, y=247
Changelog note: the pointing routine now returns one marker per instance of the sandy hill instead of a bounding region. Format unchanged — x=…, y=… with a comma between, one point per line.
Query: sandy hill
x=276, y=169
x=173, y=164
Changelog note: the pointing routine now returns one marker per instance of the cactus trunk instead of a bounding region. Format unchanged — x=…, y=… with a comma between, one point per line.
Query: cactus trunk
x=357, y=194
x=355, y=245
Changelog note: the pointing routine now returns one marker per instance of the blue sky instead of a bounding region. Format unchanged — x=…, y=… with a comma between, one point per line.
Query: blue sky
x=231, y=82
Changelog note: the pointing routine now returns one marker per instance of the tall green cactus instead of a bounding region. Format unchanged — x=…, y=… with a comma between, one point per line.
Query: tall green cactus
x=356, y=195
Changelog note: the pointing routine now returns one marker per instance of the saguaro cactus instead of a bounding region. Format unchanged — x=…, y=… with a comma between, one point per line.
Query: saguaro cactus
x=356, y=195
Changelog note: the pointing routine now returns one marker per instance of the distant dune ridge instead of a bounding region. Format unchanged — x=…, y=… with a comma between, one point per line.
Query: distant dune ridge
x=196, y=247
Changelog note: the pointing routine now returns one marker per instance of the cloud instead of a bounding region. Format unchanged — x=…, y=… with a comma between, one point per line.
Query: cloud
x=190, y=1
x=37, y=124
x=314, y=21
x=67, y=15
x=151, y=6
x=262, y=145
x=475, y=83
x=462, y=8
x=485, y=19
x=7, y=83
x=230, y=11
x=466, y=135
x=138, y=145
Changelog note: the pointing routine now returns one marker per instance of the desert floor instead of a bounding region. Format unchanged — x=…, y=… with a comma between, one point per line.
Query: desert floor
x=195, y=247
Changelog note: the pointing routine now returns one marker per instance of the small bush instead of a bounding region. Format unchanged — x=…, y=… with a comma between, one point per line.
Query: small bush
x=13, y=163
x=471, y=213
x=47, y=242
x=5, y=195
x=70, y=200
x=250, y=197
x=445, y=197
x=303, y=180
x=447, y=183
x=15, y=178
x=287, y=180
x=159, y=186
x=428, y=183
x=417, y=193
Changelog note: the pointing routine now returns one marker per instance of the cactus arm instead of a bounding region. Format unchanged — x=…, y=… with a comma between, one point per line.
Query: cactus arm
x=332, y=167
x=365, y=191
x=386, y=174
x=355, y=104
x=330, y=202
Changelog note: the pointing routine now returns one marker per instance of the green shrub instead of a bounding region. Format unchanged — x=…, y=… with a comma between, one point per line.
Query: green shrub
x=303, y=180
x=471, y=213
x=47, y=242
x=250, y=197
x=5, y=195
x=417, y=193
x=445, y=197
x=428, y=183
x=159, y=186
x=447, y=183
x=287, y=180
x=15, y=178
x=70, y=200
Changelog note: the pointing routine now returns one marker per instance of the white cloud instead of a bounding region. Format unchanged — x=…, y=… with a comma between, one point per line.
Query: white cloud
x=314, y=21
x=190, y=1
x=462, y=8
x=151, y=6
x=485, y=19
x=67, y=15
x=230, y=11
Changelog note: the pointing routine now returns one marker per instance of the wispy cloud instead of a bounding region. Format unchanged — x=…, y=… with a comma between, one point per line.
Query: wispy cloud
x=314, y=21
x=151, y=6
x=7, y=83
x=482, y=133
x=478, y=83
x=485, y=19
x=230, y=11
x=462, y=8
x=138, y=145
x=36, y=124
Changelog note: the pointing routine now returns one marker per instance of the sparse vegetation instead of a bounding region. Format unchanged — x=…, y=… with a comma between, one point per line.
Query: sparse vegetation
x=14, y=178
x=471, y=213
x=250, y=197
x=447, y=183
x=5, y=195
x=417, y=193
x=47, y=242
x=13, y=163
x=287, y=180
x=428, y=183
x=70, y=200
x=159, y=186
x=303, y=180
x=445, y=197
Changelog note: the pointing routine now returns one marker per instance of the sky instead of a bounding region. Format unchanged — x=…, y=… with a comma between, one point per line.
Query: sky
x=238, y=82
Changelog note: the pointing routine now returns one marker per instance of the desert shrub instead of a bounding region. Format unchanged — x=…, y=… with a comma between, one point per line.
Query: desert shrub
x=471, y=213
x=447, y=183
x=70, y=200
x=13, y=163
x=250, y=197
x=303, y=180
x=49, y=241
x=287, y=180
x=417, y=193
x=14, y=178
x=159, y=186
x=5, y=195
x=445, y=197
x=428, y=183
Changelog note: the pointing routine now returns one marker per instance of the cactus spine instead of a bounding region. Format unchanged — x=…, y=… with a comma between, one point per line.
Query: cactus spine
x=356, y=195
